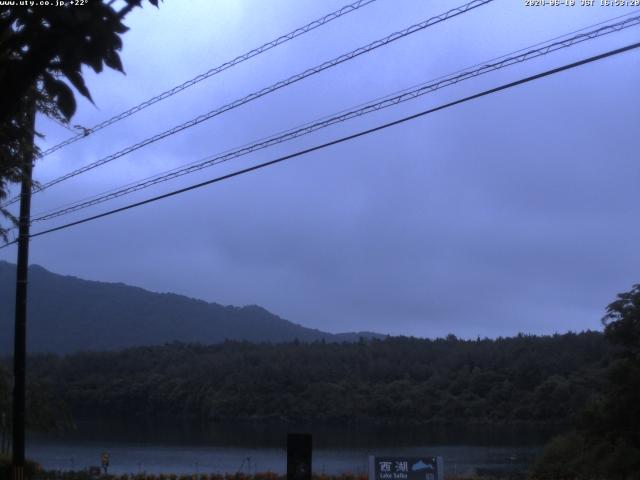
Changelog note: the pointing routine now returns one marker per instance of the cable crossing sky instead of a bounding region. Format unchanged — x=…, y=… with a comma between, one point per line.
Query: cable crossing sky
x=265, y=91
x=362, y=133
x=210, y=73
x=452, y=79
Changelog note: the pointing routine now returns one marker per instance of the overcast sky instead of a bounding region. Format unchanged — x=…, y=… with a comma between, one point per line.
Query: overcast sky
x=514, y=213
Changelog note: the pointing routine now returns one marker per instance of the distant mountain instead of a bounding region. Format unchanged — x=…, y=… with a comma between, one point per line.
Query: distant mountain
x=68, y=314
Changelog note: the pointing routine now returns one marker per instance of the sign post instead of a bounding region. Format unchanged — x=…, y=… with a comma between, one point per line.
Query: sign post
x=104, y=458
x=299, y=447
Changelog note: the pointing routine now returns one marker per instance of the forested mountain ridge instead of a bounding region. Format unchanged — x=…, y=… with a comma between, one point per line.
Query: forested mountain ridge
x=399, y=380
x=68, y=314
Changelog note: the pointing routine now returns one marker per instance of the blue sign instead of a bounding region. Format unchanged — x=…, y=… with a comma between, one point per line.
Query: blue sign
x=406, y=468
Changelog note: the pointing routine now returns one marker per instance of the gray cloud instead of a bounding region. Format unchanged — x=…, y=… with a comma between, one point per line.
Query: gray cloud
x=512, y=213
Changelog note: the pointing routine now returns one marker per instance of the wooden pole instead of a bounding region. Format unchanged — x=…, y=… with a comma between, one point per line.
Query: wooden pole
x=20, y=333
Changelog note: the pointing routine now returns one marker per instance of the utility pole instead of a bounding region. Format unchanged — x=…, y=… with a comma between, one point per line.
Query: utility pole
x=20, y=334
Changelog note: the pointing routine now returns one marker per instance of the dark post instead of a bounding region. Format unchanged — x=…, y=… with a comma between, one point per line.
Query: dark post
x=20, y=335
x=3, y=425
x=299, y=456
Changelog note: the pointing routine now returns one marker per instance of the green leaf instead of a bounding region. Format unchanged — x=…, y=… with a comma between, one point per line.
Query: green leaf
x=75, y=77
x=112, y=60
x=61, y=93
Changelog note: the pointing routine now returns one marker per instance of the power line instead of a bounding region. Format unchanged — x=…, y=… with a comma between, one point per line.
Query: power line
x=515, y=51
x=265, y=91
x=344, y=139
x=423, y=89
x=440, y=82
x=210, y=73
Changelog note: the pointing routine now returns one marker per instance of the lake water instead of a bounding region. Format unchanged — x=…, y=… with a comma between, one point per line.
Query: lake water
x=154, y=447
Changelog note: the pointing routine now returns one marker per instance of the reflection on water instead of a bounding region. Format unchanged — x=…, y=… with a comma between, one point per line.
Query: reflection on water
x=156, y=446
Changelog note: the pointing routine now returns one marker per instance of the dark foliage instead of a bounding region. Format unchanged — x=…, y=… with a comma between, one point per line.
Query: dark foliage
x=605, y=440
x=527, y=379
x=40, y=474
x=31, y=469
x=43, y=44
x=45, y=412
x=42, y=52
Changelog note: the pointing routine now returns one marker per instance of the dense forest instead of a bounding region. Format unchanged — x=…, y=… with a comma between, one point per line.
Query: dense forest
x=532, y=379
x=587, y=382
x=604, y=438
